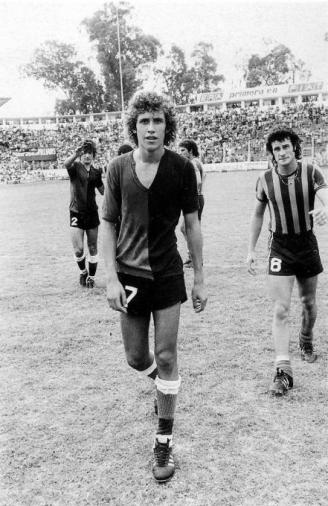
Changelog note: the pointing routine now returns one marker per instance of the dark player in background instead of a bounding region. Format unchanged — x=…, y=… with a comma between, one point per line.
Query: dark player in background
x=84, y=219
x=124, y=148
x=189, y=149
x=289, y=189
x=148, y=188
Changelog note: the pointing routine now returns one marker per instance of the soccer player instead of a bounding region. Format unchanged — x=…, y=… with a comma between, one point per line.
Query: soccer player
x=84, y=179
x=289, y=189
x=148, y=188
x=189, y=149
x=124, y=148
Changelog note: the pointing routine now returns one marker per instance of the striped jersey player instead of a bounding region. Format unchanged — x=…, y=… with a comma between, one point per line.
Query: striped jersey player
x=290, y=198
x=289, y=188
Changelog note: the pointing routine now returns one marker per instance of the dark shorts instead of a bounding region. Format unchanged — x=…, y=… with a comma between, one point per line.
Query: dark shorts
x=147, y=295
x=296, y=255
x=200, y=206
x=85, y=221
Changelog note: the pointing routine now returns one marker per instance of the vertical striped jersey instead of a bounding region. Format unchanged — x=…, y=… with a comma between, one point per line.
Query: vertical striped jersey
x=147, y=244
x=290, y=198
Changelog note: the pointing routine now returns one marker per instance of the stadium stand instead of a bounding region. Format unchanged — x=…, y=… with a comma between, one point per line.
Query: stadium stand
x=36, y=151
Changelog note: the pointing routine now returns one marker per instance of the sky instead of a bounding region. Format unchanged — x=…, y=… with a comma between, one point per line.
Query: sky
x=235, y=28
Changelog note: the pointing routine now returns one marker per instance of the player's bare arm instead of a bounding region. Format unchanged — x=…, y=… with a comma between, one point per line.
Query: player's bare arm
x=320, y=214
x=256, y=227
x=115, y=292
x=71, y=159
x=195, y=244
x=101, y=189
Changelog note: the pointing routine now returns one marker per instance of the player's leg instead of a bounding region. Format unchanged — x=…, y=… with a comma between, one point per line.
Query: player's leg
x=135, y=324
x=77, y=238
x=166, y=323
x=280, y=290
x=135, y=334
x=92, y=241
x=307, y=288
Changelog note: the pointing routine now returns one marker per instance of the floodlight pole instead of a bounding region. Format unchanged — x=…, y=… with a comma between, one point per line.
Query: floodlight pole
x=119, y=60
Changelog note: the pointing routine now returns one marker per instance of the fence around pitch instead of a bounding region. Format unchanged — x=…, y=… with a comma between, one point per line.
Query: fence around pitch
x=244, y=166
x=235, y=166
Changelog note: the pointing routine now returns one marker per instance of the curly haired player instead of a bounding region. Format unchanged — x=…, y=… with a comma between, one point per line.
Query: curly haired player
x=147, y=189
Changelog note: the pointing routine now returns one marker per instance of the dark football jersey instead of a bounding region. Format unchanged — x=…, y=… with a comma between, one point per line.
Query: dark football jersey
x=83, y=184
x=147, y=244
x=290, y=198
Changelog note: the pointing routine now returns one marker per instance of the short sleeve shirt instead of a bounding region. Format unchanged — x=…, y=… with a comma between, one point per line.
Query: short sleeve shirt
x=147, y=244
x=290, y=199
x=83, y=185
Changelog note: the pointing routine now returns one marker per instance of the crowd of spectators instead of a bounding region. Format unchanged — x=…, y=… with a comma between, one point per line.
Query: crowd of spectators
x=239, y=134
x=232, y=135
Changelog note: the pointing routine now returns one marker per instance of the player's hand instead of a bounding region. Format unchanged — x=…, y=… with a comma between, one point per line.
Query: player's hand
x=250, y=260
x=320, y=216
x=199, y=297
x=79, y=151
x=116, y=296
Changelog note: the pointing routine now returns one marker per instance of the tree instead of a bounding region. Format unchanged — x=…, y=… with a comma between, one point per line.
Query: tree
x=204, y=68
x=276, y=67
x=254, y=71
x=55, y=64
x=136, y=50
x=178, y=80
x=298, y=70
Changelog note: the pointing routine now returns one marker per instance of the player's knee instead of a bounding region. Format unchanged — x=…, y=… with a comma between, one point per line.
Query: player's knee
x=78, y=252
x=165, y=359
x=93, y=249
x=308, y=303
x=136, y=361
x=281, y=310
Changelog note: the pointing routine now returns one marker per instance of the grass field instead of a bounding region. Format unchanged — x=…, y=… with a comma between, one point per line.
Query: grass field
x=77, y=424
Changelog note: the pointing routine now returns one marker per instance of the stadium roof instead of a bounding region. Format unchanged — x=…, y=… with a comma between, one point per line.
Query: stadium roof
x=3, y=100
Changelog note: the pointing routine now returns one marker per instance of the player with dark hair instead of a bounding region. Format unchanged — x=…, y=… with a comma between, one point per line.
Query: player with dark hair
x=279, y=134
x=289, y=189
x=84, y=179
x=148, y=188
x=189, y=149
x=124, y=148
